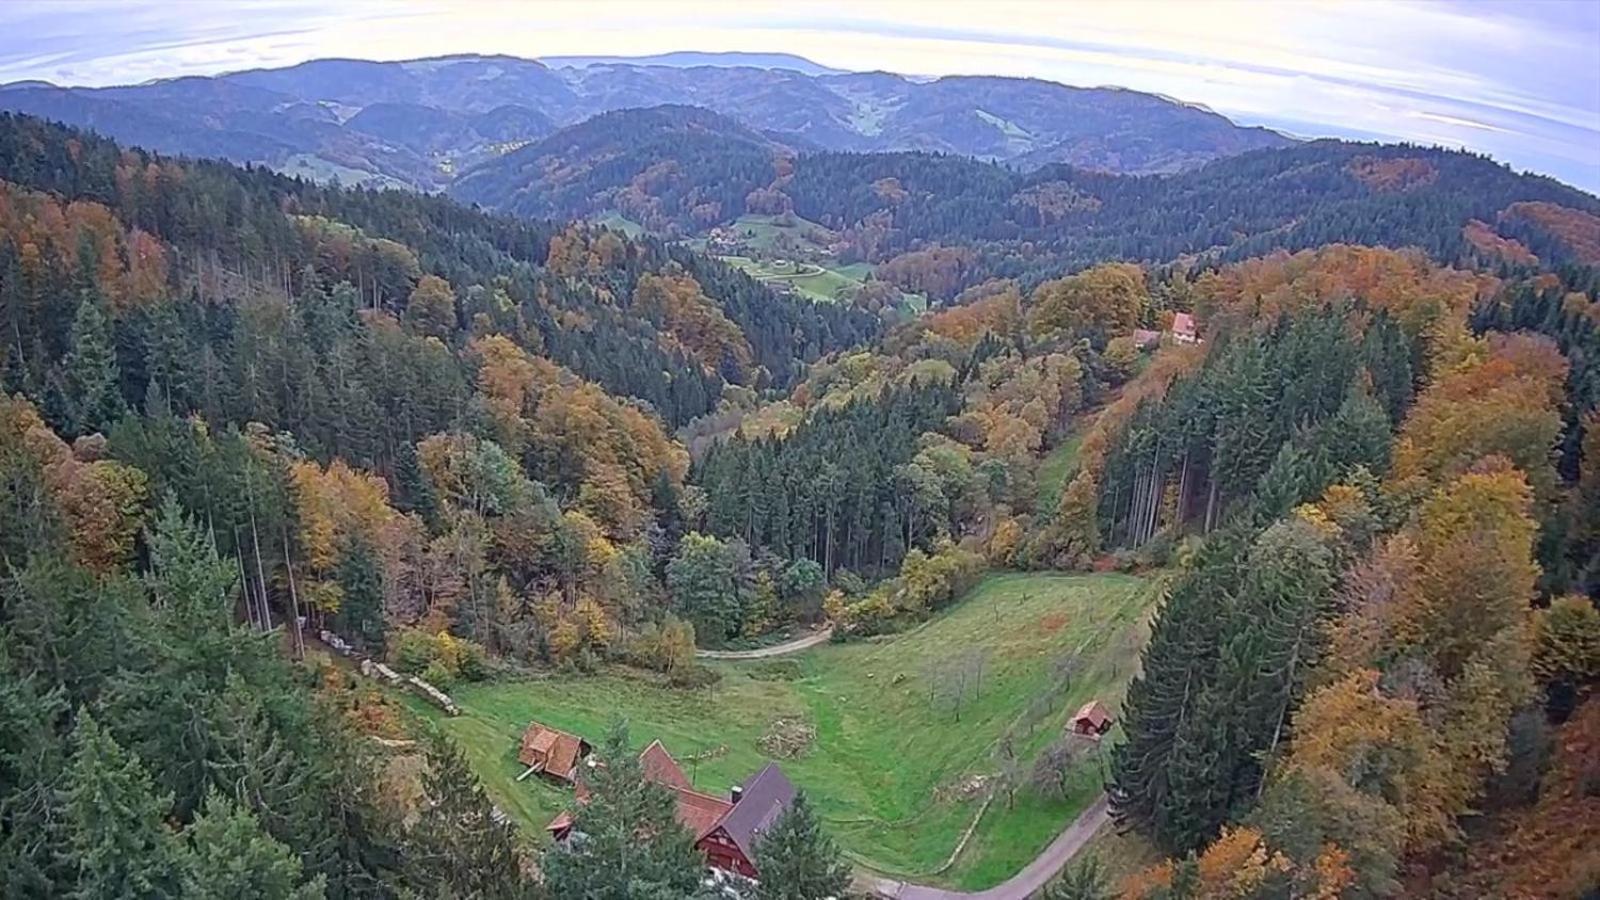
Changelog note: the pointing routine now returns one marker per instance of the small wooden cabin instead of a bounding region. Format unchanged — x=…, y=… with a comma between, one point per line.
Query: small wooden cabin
x=552, y=753
x=1092, y=719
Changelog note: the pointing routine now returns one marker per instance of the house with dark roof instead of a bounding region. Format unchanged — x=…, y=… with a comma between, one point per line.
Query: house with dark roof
x=757, y=806
x=552, y=753
x=727, y=829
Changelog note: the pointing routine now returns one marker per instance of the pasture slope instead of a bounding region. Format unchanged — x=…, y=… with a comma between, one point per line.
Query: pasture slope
x=897, y=770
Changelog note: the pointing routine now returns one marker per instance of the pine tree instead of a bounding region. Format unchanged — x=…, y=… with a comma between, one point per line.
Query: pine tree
x=626, y=842
x=94, y=399
x=458, y=849
x=230, y=856
x=797, y=860
x=31, y=763
x=1083, y=881
x=361, y=610
x=118, y=841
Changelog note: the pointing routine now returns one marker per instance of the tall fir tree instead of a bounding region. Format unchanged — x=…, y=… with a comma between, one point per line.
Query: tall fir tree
x=626, y=842
x=119, y=843
x=93, y=389
x=798, y=860
x=229, y=856
x=459, y=848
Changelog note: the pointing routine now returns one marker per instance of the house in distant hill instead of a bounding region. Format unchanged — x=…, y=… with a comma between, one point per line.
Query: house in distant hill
x=727, y=829
x=721, y=241
x=1092, y=720
x=1184, y=330
x=552, y=753
x=1146, y=339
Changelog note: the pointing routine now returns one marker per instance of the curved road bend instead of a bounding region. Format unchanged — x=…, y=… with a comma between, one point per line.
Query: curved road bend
x=1022, y=885
x=794, y=646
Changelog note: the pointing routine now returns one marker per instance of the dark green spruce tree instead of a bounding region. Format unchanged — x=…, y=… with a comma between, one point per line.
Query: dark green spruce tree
x=458, y=848
x=798, y=860
x=228, y=856
x=93, y=392
x=118, y=841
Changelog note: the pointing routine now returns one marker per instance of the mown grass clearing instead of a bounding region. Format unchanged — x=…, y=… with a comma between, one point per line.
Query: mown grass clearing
x=886, y=762
x=1059, y=466
x=618, y=222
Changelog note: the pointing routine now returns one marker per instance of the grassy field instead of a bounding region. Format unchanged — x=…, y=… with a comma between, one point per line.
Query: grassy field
x=1058, y=466
x=828, y=285
x=618, y=222
x=765, y=232
x=885, y=760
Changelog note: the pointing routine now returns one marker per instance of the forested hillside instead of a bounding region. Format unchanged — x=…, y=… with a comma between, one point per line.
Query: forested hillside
x=481, y=447
x=944, y=223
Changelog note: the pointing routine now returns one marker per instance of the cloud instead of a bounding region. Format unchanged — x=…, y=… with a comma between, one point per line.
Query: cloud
x=1520, y=81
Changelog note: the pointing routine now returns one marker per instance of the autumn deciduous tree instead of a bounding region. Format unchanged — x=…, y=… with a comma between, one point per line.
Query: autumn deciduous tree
x=1567, y=642
x=431, y=308
x=1105, y=300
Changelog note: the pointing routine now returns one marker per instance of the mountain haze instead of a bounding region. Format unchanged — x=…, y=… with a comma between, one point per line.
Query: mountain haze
x=419, y=123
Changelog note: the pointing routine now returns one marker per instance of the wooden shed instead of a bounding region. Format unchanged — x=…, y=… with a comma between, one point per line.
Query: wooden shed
x=552, y=753
x=1091, y=719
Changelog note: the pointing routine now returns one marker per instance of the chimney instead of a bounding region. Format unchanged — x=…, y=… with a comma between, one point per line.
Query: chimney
x=734, y=794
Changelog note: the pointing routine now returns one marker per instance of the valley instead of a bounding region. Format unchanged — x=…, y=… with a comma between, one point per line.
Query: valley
x=890, y=770
x=798, y=481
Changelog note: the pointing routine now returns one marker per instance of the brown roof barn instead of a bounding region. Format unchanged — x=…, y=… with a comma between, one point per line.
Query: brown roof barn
x=1092, y=718
x=725, y=830
x=551, y=752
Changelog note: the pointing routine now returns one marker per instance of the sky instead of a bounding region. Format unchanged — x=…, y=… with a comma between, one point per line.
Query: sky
x=1519, y=81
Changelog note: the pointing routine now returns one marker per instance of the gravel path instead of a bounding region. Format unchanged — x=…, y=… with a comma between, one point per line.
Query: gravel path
x=794, y=646
x=1022, y=885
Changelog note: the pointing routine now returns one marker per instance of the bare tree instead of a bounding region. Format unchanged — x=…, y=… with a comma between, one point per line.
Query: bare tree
x=1055, y=763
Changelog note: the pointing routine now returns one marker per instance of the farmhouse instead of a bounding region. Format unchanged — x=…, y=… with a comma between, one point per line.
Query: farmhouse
x=757, y=805
x=1091, y=719
x=552, y=753
x=725, y=830
x=1184, y=330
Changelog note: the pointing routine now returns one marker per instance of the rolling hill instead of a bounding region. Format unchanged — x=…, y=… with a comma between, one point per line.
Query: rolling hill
x=419, y=122
x=682, y=170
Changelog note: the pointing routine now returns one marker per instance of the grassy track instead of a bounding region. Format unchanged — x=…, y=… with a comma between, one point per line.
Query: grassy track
x=883, y=751
x=1060, y=465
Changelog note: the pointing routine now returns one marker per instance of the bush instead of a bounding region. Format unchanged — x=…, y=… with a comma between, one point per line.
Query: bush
x=694, y=676
x=438, y=675
x=1157, y=552
x=418, y=652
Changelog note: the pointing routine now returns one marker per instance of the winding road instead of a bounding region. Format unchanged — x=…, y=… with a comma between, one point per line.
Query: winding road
x=794, y=646
x=1020, y=886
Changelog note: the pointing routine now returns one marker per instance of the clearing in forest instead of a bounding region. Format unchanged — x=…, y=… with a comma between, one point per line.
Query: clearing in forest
x=896, y=769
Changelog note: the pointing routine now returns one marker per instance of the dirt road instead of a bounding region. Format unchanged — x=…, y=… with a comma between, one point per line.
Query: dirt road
x=1022, y=885
x=794, y=646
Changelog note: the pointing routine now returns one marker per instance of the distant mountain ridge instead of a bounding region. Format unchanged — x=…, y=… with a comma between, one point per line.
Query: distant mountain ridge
x=681, y=171
x=419, y=123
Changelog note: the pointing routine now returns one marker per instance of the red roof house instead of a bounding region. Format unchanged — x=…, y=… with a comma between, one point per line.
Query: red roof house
x=1184, y=330
x=725, y=830
x=552, y=753
x=1091, y=719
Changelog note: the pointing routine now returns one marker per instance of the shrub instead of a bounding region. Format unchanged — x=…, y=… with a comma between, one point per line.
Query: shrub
x=416, y=651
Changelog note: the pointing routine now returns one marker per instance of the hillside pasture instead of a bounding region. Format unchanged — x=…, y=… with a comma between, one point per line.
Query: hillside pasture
x=898, y=764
